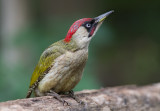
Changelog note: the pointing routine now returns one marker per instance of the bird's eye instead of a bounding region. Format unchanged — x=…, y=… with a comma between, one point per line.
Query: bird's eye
x=88, y=25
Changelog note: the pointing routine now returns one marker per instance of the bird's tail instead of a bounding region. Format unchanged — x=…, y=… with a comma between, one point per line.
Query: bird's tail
x=31, y=88
x=29, y=92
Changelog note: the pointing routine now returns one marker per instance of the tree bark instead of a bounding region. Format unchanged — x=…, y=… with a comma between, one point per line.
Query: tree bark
x=121, y=98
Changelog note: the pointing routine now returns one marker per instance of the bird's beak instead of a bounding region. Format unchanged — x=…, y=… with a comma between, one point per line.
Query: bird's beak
x=102, y=17
x=97, y=22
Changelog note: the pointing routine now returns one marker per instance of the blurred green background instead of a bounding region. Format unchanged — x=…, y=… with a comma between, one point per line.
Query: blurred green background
x=125, y=50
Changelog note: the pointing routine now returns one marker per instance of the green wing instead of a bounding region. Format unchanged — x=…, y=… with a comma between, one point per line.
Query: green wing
x=47, y=60
x=43, y=66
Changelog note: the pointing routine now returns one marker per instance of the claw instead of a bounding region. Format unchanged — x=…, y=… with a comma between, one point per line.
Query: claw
x=57, y=96
x=63, y=101
x=71, y=94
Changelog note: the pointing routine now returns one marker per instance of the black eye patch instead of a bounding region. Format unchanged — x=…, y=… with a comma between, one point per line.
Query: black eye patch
x=88, y=25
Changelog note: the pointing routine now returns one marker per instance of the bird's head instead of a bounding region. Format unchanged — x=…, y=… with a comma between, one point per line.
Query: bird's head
x=84, y=29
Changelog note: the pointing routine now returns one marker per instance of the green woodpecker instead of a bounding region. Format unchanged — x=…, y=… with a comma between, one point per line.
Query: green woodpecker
x=61, y=65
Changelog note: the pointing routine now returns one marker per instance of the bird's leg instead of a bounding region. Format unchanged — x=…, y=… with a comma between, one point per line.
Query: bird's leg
x=57, y=96
x=71, y=94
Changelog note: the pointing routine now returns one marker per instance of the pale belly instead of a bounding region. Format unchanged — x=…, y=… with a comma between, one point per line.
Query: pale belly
x=65, y=73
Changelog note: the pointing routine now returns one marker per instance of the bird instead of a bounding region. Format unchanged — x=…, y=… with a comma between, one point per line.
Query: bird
x=61, y=65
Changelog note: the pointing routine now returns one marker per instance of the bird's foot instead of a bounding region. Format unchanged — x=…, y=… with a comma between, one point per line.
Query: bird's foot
x=57, y=96
x=71, y=94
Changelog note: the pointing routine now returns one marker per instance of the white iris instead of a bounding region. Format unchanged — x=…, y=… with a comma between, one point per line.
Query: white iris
x=88, y=25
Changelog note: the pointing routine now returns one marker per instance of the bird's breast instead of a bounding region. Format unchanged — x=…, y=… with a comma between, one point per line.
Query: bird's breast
x=66, y=72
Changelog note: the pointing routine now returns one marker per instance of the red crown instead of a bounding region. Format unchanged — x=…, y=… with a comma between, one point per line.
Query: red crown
x=74, y=28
